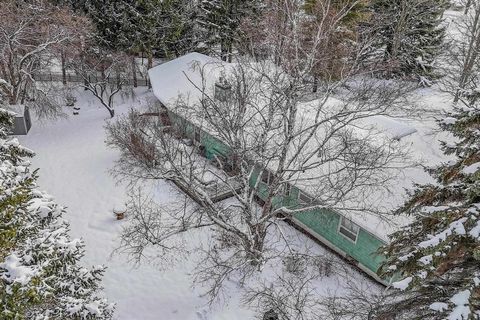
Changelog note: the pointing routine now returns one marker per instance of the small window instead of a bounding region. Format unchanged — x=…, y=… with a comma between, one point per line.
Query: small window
x=288, y=189
x=304, y=198
x=349, y=229
x=197, y=135
x=265, y=176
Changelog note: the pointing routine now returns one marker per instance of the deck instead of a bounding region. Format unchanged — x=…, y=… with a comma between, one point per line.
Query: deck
x=217, y=191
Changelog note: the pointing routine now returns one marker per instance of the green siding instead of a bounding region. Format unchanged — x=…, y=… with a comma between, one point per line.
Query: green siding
x=214, y=147
x=323, y=222
x=326, y=222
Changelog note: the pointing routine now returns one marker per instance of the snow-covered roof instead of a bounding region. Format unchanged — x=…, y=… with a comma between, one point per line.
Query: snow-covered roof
x=17, y=109
x=176, y=78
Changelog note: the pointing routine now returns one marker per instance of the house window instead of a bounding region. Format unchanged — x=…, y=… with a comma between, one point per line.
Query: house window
x=304, y=198
x=288, y=189
x=266, y=176
x=349, y=229
x=197, y=135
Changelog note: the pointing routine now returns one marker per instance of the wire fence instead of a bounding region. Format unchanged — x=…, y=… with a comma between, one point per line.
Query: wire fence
x=74, y=78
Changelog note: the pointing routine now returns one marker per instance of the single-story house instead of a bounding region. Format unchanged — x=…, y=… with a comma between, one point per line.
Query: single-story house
x=356, y=237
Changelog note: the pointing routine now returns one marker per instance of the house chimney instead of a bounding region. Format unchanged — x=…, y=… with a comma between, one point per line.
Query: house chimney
x=222, y=89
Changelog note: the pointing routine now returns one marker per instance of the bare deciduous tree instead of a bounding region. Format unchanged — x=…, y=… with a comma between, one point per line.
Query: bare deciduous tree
x=105, y=74
x=29, y=32
x=463, y=59
x=321, y=146
x=313, y=37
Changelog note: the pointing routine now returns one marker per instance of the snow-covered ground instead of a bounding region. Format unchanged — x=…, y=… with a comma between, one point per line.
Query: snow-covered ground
x=74, y=162
x=74, y=167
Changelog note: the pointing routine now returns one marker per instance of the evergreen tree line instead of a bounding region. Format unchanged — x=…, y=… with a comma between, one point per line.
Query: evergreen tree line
x=405, y=36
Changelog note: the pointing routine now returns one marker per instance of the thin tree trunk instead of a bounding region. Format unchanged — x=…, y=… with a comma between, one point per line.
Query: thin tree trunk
x=470, y=57
x=134, y=72
x=467, y=6
x=223, y=50
x=24, y=94
x=64, y=71
x=11, y=99
x=150, y=65
x=230, y=48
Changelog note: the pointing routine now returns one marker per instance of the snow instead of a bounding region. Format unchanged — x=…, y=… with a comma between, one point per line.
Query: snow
x=433, y=209
x=42, y=207
x=471, y=169
x=426, y=259
x=475, y=232
x=402, y=284
x=455, y=227
x=461, y=310
x=438, y=306
x=16, y=271
x=394, y=129
x=449, y=120
x=177, y=77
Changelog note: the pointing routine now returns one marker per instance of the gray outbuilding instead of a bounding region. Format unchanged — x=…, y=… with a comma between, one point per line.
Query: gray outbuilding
x=22, y=122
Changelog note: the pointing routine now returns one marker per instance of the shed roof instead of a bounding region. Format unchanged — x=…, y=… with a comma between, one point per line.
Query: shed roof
x=17, y=109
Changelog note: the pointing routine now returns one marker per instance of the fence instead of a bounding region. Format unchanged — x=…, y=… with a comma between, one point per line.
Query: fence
x=58, y=77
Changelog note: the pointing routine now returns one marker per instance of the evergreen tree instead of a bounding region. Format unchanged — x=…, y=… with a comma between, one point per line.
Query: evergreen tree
x=166, y=28
x=39, y=273
x=357, y=10
x=109, y=21
x=438, y=255
x=220, y=20
x=409, y=34
x=179, y=34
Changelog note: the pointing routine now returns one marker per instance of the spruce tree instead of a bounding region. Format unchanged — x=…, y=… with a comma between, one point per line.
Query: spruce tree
x=437, y=257
x=165, y=28
x=179, y=34
x=39, y=273
x=409, y=35
x=220, y=20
